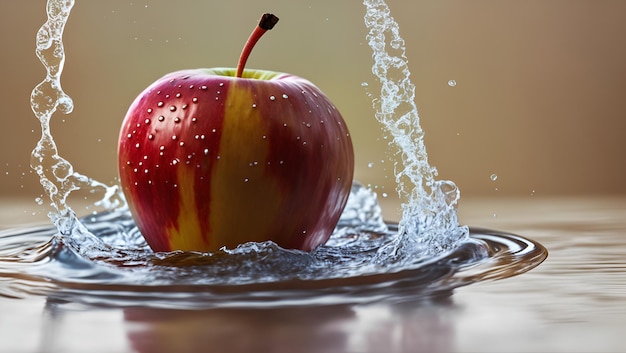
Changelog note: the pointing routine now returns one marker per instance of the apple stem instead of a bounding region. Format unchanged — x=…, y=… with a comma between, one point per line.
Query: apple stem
x=267, y=22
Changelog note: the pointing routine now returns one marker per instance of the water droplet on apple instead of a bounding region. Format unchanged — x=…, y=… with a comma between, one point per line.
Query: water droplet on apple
x=137, y=145
x=181, y=143
x=214, y=131
x=194, y=119
x=264, y=137
x=175, y=161
x=147, y=121
x=191, y=86
x=167, y=96
x=178, y=95
x=149, y=110
x=253, y=105
x=177, y=120
x=162, y=148
x=285, y=96
x=206, y=151
x=272, y=98
x=194, y=99
x=203, y=88
x=221, y=84
x=129, y=135
x=174, y=137
x=150, y=137
x=161, y=118
x=172, y=108
x=245, y=180
x=308, y=125
x=201, y=137
x=160, y=104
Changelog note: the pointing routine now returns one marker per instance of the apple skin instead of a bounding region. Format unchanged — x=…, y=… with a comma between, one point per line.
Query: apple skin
x=208, y=160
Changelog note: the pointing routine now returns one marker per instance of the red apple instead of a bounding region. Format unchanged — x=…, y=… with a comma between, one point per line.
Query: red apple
x=212, y=158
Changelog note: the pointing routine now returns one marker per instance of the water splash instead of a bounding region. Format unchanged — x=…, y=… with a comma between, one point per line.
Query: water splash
x=56, y=174
x=429, y=208
x=429, y=223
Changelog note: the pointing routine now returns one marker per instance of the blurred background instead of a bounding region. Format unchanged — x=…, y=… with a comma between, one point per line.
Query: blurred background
x=539, y=100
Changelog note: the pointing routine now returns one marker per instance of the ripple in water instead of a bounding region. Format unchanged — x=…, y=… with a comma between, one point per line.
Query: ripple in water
x=120, y=269
x=103, y=259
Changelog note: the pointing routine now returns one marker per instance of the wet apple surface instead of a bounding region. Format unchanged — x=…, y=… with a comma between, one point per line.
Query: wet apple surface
x=219, y=157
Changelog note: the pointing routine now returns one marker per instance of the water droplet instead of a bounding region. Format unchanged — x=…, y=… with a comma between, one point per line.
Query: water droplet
x=129, y=135
x=178, y=95
x=364, y=84
x=245, y=180
x=272, y=98
x=493, y=177
x=253, y=105
x=149, y=110
x=150, y=137
x=203, y=88
x=181, y=143
x=384, y=194
x=194, y=99
x=39, y=201
x=452, y=83
x=160, y=104
x=194, y=119
x=206, y=151
x=161, y=118
x=162, y=148
x=147, y=121
x=370, y=164
x=285, y=96
x=221, y=84
x=137, y=145
x=174, y=137
x=177, y=120
x=172, y=108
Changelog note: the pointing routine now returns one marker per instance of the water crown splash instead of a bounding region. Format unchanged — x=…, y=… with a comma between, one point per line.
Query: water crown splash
x=429, y=206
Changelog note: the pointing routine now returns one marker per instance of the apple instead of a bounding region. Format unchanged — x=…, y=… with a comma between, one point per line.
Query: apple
x=212, y=158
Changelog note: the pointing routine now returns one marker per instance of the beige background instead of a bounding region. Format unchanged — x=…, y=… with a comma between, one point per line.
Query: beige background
x=540, y=95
